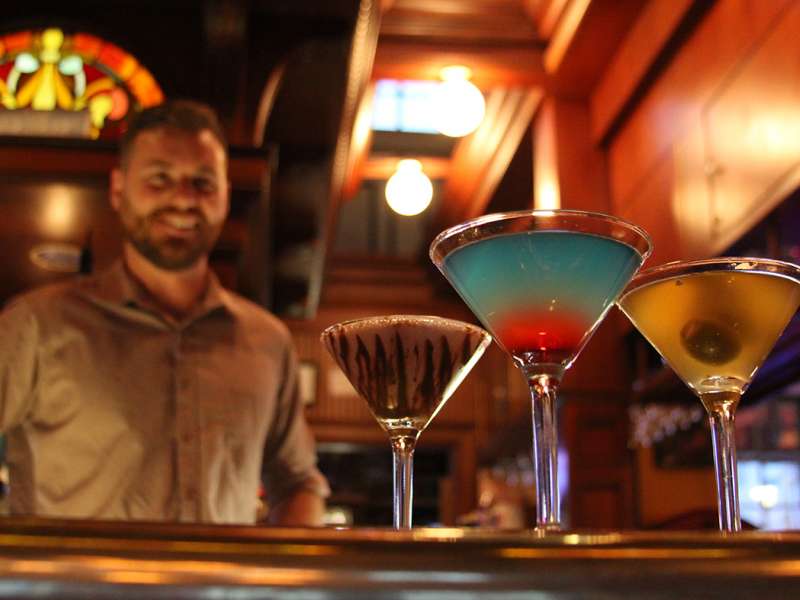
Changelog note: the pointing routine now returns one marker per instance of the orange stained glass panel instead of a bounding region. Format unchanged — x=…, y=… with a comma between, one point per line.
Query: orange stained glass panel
x=88, y=46
x=145, y=88
x=18, y=41
x=116, y=59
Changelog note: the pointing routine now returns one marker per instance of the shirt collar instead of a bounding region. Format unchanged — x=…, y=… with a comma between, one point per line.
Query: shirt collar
x=118, y=287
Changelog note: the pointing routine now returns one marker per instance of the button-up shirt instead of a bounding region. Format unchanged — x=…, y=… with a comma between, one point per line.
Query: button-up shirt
x=113, y=410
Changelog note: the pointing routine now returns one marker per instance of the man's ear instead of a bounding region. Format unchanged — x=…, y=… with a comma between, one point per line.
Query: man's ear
x=116, y=186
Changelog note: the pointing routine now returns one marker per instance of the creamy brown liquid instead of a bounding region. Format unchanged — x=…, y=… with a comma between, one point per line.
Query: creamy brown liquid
x=405, y=369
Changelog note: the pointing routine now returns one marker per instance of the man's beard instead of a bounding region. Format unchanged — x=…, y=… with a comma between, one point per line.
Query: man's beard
x=169, y=253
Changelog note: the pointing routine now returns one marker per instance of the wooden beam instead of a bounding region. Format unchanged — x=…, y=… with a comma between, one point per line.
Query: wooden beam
x=637, y=53
x=492, y=66
x=564, y=33
x=546, y=14
x=359, y=145
x=363, y=45
x=383, y=167
x=584, y=42
x=502, y=21
x=480, y=159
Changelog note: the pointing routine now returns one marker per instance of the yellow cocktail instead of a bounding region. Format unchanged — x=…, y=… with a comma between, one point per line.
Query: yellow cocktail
x=715, y=322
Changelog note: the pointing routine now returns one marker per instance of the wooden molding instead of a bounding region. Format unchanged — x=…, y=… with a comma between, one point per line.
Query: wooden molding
x=491, y=65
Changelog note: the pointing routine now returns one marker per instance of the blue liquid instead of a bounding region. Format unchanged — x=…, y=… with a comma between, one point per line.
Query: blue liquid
x=542, y=292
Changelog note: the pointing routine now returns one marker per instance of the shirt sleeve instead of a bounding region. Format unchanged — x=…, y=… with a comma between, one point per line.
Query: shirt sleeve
x=290, y=457
x=19, y=343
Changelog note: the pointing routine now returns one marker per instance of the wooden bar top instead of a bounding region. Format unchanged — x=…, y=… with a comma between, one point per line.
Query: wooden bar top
x=78, y=559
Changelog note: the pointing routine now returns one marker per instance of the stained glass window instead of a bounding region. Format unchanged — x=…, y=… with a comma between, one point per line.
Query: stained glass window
x=69, y=85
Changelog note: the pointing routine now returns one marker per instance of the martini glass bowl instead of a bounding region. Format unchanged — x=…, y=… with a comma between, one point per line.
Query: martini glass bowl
x=405, y=367
x=714, y=322
x=541, y=282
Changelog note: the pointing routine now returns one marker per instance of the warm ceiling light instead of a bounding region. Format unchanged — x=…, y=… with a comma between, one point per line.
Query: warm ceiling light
x=459, y=104
x=409, y=191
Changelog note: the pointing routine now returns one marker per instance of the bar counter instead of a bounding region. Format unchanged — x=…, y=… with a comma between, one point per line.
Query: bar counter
x=78, y=559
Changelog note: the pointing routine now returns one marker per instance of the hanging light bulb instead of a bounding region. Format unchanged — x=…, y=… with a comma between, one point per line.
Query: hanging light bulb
x=459, y=104
x=409, y=191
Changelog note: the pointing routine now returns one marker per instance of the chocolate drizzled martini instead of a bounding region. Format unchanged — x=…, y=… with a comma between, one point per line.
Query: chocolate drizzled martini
x=405, y=367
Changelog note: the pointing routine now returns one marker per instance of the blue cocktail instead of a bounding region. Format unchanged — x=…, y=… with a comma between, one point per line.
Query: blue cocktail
x=541, y=282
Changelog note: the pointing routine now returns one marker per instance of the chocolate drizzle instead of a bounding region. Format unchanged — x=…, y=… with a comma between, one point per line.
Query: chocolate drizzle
x=427, y=387
x=400, y=359
x=382, y=377
x=362, y=367
x=344, y=347
x=402, y=370
x=466, y=348
x=446, y=365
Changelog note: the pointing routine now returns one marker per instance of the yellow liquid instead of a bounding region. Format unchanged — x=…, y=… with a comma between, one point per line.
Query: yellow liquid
x=716, y=328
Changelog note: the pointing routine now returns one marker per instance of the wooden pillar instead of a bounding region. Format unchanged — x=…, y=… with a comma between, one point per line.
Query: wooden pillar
x=569, y=170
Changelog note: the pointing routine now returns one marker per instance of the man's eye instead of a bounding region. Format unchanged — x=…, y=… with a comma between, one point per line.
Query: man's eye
x=158, y=180
x=204, y=185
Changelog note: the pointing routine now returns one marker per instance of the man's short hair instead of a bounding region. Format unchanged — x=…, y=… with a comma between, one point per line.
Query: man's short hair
x=184, y=115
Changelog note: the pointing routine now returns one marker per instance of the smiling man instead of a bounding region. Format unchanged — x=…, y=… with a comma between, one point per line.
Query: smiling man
x=149, y=391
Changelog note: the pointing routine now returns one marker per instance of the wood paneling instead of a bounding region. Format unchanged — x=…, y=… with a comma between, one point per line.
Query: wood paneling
x=753, y=134
x=672, y=105
x=636, y=55
x=651, y=207
x=595, y=429
x=665, y=493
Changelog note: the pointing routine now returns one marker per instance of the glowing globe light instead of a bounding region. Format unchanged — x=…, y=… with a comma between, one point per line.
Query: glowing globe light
x=459, y=105
x=409, y=191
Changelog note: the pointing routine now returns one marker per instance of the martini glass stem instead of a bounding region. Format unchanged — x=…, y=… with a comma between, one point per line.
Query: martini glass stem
x=403, y=462
x=723, y=439
x=545, y=450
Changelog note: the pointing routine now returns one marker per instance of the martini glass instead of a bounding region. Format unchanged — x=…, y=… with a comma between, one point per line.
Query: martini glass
x=541, y=282
x=405, y=367
x=715, y=321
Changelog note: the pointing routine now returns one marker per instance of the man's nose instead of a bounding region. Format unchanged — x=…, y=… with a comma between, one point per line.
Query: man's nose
x=186, y=193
